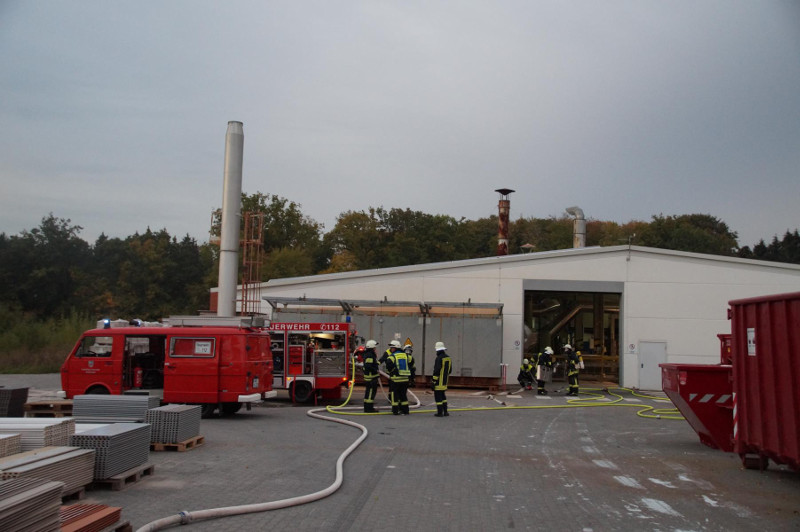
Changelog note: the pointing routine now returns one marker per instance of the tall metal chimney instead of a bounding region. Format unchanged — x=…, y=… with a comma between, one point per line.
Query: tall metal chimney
x=231, y=215
x=503, y=209
x=578, y=227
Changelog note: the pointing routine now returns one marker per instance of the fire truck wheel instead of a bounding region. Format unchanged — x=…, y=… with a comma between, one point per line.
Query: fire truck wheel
x=207, y=410
x=228, y=409
x=300, y=391
x=97, y=390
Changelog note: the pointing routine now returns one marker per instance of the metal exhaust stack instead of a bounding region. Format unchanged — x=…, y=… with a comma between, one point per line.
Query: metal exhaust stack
x=503, y=209
x=231, y=215
x=578, y=227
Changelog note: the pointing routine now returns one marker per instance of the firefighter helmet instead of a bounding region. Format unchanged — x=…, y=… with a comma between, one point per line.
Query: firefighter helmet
x=548, y=350
x=395, y=343
x=372, y=344
x=567, y=347
x=440, y=346
x=526, y=361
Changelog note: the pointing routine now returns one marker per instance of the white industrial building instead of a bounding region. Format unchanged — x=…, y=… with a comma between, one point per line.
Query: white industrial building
x=627, y=308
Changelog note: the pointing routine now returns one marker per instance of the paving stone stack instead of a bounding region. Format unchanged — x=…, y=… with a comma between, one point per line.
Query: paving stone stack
x=39, y=432
x=174, y=423
x=10, y=444
x=30, y=504
x=72, y=466
x=119, y=447
x=12, y=401
x=112, y=408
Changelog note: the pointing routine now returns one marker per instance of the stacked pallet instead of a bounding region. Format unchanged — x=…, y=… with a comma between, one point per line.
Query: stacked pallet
x=112, y=408
x=12, y=401
x=174, y=423
x=30, y=504
x=71, y=466
x=38, y=432
x=119, y=447
x=10, y=444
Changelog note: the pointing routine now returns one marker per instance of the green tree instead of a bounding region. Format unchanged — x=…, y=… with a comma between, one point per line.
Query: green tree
x=41, y=268
x=359, y=236
x=284, y=227
x=700, y=233
x=785, y=250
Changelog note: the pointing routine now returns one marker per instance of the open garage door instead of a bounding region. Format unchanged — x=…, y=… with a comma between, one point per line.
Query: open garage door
x=589, y=321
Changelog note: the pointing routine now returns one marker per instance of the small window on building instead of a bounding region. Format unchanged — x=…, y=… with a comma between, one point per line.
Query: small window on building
x=192, y=347
x=95, y=346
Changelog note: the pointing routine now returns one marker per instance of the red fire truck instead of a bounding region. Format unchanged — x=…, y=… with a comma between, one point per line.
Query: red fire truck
x=312, y=357
x=218, y=367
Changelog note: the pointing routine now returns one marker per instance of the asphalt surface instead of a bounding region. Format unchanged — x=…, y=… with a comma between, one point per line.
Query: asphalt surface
x=572, y=468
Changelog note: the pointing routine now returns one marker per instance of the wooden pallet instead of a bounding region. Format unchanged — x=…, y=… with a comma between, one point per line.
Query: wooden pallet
x=187, y=445
x=55, y=408
x=123, y=480
x=74, y=495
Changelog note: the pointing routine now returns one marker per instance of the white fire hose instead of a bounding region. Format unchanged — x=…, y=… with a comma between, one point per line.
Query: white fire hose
x=186, y=517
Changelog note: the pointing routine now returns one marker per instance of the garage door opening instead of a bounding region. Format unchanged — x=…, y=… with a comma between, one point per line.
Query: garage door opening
x=589, y=321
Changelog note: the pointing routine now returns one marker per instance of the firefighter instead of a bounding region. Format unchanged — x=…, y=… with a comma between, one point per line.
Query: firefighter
x=525, y=376
x=574, y=363
x=370, y=375
x=401, y=370
x=408, y=349
x=544, y=364
x=394, y=345
x=441, y=374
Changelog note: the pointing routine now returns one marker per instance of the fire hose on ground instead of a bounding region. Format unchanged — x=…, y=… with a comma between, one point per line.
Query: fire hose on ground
x=596, y=398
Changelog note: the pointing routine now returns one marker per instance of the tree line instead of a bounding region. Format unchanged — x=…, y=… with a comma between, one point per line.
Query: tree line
x=49, y=271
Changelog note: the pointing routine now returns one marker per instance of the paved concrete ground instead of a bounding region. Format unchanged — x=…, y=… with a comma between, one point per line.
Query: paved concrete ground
x=570, y=468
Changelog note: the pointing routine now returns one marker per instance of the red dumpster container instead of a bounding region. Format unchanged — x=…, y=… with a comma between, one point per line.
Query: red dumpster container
x=766, y=379
x=703, y=394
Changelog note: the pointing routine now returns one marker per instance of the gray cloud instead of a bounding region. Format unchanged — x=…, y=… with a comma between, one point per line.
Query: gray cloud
x=114, y=115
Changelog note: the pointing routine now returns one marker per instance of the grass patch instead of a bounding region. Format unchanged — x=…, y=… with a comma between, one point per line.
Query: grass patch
x=38, y=346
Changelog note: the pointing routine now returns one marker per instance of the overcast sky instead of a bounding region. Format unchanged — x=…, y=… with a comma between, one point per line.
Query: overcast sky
x=113, y=114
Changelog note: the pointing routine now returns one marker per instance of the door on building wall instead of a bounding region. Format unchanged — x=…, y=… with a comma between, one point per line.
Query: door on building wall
x=651, y=354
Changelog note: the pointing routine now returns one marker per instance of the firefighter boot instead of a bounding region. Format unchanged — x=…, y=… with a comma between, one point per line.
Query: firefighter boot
x=444, y=408
x=439, y=411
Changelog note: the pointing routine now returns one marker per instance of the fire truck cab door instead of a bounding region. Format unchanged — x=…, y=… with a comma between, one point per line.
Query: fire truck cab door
x=97, y=362
x=191, y=369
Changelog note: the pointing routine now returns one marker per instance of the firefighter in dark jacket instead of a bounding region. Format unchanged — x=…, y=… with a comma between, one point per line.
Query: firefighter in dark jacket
x=574, y=364
x=370, y=376
x=441, y=374
x=394, y=345
x=544, y=364
x=401, y=370
x=525, y=376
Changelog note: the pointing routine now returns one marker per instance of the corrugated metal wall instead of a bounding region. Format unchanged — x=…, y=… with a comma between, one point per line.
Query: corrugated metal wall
x=473, y=342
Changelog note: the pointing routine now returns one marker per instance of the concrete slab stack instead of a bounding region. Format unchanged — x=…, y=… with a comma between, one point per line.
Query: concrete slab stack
x=12, y=402
x=39, y=432
x=10, y=444
x=72, y=466
x=174, y=423
x=119, y=447
x=30, y=504
x=112, y=408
